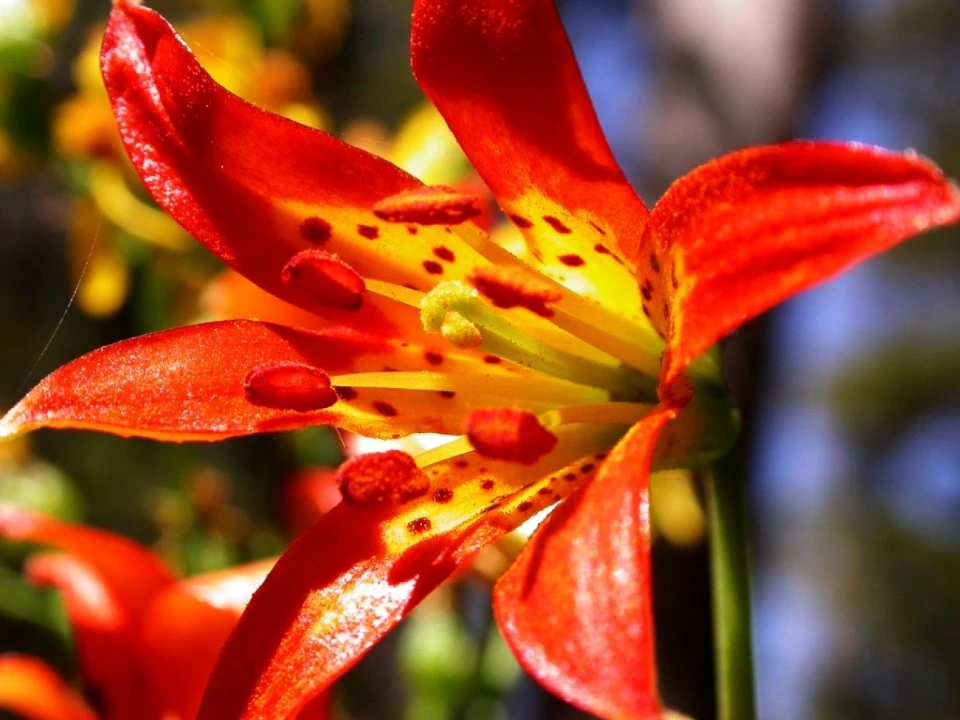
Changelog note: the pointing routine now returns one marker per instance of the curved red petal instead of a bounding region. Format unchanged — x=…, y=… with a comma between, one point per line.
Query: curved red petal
x=32, y=690
x=347, y=580
x=217, y=380
x=576, y=606
x=133, y=574
x=254, y=187
x=502, y=74
x=106, y=634
x=748, y=230
x=184, y=630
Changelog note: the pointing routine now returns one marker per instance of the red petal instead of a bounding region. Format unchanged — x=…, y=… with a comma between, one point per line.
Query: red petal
x=132, y=573
x=748, y=230
x=504, y=77
x=254, y=187
x=207, y=382
x=33, y=691
x=575, y=607
x=105, y=633
x=185, y=628
x=346, y=581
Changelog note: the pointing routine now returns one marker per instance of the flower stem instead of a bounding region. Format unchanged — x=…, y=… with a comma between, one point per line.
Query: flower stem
x=730, y=576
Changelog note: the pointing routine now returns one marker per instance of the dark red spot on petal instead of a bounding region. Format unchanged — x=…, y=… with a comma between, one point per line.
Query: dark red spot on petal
x=434, y=358
x=569, y=477
x=510, y=434
x=544, y=491
x=520, y=221
x=491, y=359
x=461, y=463
x=598, y=228
x=602, y=249
x=443, y=495
x=289, y=386
x=370, y=232
x=447, y=394
x=556, y=224
x=572, y=260
x=444, y=253
x=509, y=287
x=524, y=506
x=412, y=229
x=647, y=294
x=385, y=408
x=601, y=456
x=429, y=205
x=419, y=525
x=486, y=484
x=390, y=477
x=587, y=468
x=315, y=230
x=433, y=267
x=323, y=278
x=654, y=263
x=347, y=393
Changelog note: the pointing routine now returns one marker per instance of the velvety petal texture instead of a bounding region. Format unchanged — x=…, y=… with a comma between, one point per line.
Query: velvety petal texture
x=744, y=232
x=254, y=187
x=576, y=605
x=33, y=691
x=184, y=630
x=217, y=380
x=351, y=577
x=504, y=77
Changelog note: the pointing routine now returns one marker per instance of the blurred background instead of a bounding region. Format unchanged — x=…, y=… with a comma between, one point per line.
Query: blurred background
x=851, y=392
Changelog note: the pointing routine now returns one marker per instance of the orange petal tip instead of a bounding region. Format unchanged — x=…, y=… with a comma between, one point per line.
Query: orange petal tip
x=509, y=434
x=432, y=205
x=289, y=386
x=387, y=478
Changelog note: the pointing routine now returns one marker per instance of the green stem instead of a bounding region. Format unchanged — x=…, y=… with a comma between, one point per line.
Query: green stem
x=730, y=576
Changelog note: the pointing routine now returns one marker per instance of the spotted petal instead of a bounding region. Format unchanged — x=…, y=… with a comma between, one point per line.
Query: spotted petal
x=505, y=79
x=217, y=380
x=748, y=230
x=575, y=607
x=352, y=576
x=254, y=187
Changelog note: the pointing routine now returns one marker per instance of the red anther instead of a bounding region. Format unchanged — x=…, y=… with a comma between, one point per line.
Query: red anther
x=509, y=434
x=289, y=386
x=432, y=205
x=325, y=279
x=508, y=287
x=387, y=478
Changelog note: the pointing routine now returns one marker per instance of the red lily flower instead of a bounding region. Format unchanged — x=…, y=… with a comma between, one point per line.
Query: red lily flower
x=552, y=369
x=146, y=642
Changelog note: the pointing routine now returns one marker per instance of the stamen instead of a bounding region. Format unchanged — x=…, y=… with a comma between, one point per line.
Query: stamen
x=432, y=205
x=289, y=386
x=501, y=337
x=606, y=330
x=509, y=287
x=387, y=478
x=510, y=434
x=535, y=388
x=325, y=279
